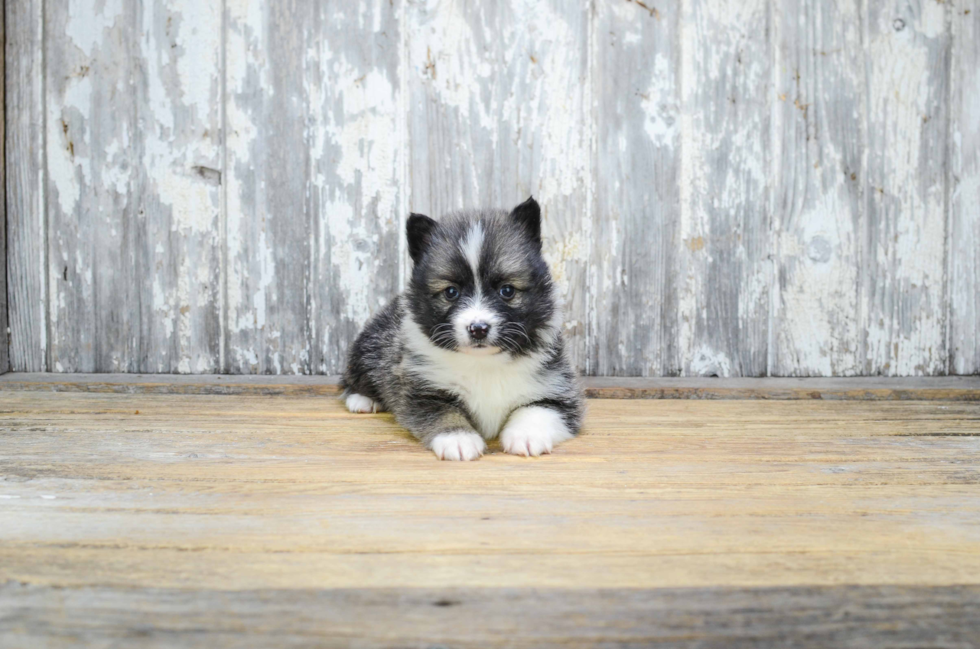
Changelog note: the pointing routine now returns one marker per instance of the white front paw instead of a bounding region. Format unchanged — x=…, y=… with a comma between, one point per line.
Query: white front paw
x=458, y=445
x=358, y=403
x=533, y=431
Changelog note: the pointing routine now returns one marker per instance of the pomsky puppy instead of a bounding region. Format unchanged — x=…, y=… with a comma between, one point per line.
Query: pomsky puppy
x=473, y=349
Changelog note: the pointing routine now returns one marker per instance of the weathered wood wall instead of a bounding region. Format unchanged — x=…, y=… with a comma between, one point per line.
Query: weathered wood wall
x=4, y=345
x=731, y=187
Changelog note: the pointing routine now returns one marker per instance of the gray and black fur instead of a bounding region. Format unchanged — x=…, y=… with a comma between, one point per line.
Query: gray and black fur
x=473, y=347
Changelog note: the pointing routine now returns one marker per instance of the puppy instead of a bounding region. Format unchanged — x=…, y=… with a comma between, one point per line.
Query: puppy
x=473, y=349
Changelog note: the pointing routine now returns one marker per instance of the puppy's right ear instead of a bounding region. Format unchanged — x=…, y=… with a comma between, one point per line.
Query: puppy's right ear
x=419, y=230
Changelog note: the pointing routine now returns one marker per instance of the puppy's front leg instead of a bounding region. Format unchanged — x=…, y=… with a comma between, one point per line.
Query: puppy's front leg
x=536, y=429
x=438, y=421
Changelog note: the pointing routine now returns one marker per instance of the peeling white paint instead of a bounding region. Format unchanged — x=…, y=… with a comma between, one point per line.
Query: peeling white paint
x=445, y=52
x=820, y=330
x=184, y=75
x=660, y=103
x=723, y=181
x=88, y=20
x=244, y=50
x=709, y=362
x=905, y=326
x=358, y=161
x=497, y=102
x=68, y=162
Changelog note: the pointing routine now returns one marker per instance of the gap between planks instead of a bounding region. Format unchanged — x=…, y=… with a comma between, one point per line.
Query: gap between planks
x=945, y=388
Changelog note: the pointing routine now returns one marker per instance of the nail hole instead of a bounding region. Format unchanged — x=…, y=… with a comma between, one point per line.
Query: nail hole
x=445, y=603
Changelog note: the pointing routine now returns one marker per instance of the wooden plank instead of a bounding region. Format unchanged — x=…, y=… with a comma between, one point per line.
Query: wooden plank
x=637, y=98
x=206, y=493
x=802, y=616
x=907, y=50
x=26, y=228
x=4, y=337
x=501, y=109
x=92, y=186
x=180, y=175
x=934, y=388
x=269, y=247
x=233, y=384
x=723, y=241
x=818, y=215
x=356, y=123
x=135, y=191
x=964, y=183
x=314, y=162
x=835, y=389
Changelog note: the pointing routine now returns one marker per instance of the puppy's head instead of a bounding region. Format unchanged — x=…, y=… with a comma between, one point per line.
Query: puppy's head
x=480, y=284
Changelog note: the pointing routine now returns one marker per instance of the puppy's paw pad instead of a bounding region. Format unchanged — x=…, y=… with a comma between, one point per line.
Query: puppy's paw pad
x=533, y=431
x=458, y=445
x=360, y=404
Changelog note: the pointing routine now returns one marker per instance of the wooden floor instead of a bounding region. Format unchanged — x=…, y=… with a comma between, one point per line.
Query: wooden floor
x=209, y=521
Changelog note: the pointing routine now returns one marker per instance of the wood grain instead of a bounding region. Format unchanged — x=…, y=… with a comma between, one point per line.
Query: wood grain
x=92, y=185
x=357, y=188
x=26, y=230
x=134, y=191
x=180, y=178
x=764, y=188
x=723, y=241
x=907, y=61
x=314, y=163
x=715, y=618
x=952, y=388
x=271, y=507
x=500, y=110
x=637, y=63
x=819, y=211
x=4, y=337
x=269, y=247
x=964, y=184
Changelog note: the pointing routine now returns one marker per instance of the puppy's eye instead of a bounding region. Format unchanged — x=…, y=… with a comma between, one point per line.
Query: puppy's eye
x=508, y=292
x=451, y=293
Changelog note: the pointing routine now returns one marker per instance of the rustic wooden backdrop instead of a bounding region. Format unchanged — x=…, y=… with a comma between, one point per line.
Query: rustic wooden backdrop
x=731, y=187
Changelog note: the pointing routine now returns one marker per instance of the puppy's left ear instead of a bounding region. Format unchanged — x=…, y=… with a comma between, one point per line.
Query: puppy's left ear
x=528, y=216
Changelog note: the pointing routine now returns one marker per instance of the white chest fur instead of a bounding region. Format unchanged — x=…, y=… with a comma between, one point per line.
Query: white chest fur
x=490, y=386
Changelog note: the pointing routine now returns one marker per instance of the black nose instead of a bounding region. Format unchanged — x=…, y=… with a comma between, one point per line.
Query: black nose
x=479, y=330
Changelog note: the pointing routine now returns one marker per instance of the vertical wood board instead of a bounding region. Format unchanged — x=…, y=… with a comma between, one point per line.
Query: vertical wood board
x=356, y=132
x=26, y=250
x=637, y=116
x=903, y=292
x=269, y=248
x=817, y=172
x=4, y=344
x=133, y=159
x=180, y=175
x=91, y=130
x=724, y=270
x=964, y=187
x=314, y=158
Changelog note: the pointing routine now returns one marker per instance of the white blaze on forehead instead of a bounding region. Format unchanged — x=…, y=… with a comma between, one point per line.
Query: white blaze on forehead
x=475, y=311
x=471, y=247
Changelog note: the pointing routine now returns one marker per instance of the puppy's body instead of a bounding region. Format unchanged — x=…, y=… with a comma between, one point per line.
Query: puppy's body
x=472, y=349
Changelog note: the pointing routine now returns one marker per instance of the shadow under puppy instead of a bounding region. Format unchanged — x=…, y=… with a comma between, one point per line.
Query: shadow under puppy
x=473, y=349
